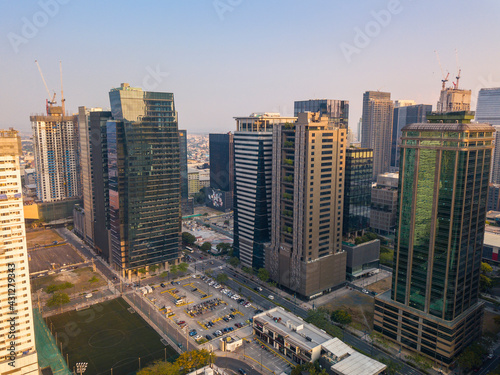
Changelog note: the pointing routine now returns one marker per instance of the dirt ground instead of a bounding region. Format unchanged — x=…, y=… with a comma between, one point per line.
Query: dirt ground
x=359, y=305
x=79, y=277
x=53, y=257
x=41, y=237
x=489, y=325
x=380, y=286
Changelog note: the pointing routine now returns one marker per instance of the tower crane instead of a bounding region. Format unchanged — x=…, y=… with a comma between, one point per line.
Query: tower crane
x=62, y=93
x=53, y=101
x=445, y=79
x=458, y=68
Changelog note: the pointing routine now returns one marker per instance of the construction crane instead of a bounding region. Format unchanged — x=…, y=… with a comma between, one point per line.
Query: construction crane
x=53, y=101
x=445, y=79
x=62, y=92
x=458, y=68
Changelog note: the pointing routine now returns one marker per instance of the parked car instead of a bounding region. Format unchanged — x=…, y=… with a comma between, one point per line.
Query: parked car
x=162, y=285
x=208, y=337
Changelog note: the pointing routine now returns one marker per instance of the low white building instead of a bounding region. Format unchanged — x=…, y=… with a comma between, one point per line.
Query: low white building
x=303, y=342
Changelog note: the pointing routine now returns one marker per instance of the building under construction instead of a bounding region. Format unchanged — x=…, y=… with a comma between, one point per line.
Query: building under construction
x=55, y=135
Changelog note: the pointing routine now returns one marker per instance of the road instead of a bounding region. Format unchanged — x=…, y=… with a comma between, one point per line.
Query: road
x=235, y=282
x=234, y=365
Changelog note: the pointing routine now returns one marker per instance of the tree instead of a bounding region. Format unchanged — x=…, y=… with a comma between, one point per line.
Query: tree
x=183, y=267
x=188, y=239
x=93, y=280
x=247, y=270
x=309, y=368
x=223, y=247
x=160, y=368
x=222, y=278
x=319, y=317
x=58, y=299
x=341, y=317
x=153, y=267
x=393, y=367
x=485, y=268
x=206, y=246
x=173, y=269
x=164, y=274
x=472, y=356
x=485, y=282
x=234, y=261
x=193, y=360
x=263, y=274
x=142, y=270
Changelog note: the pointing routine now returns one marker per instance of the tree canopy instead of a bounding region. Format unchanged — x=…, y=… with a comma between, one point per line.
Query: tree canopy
x=206, y=246
x=188, y=238
x=186, y=362
x=58, y=299
x=263, y=274
x=234, y=261
x=341, y=317
x=222, y=278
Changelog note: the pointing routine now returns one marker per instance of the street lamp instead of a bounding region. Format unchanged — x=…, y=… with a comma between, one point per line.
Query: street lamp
x=81, y=367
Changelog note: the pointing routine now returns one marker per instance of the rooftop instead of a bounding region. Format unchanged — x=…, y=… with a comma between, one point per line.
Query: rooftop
x=358, y=364
x=448, y=127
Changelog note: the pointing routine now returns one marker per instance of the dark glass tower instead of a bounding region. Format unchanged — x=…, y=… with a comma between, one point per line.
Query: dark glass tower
x=403, y=116
x=433, y=307
x=221, y=161
x=144, y=179
x=336, y=110
x=357, y=190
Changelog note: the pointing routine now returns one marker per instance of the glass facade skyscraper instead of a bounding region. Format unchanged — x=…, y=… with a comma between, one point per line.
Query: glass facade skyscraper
x=144, y=179
x=443, y=186
x=357, y=190
x=336, y=110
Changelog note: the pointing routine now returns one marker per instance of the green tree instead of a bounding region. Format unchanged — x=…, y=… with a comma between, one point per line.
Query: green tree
x=164, y=274
x=174, y=269
x=222, y=278
x=485, y=268
x=206, y=246
x=485, y=282
x=223, y=247
x=263, y=274
x=153, y=267
x=160, y=368
x=93, y=280
x=195, y=359
x=472, y=356
x=142, y=270
x=309, y=368
x=183, y=267
x=320, y=318
x=188, y=239
x=234, y=261
x=341, y=317
x=393, y=367
x=58, y=299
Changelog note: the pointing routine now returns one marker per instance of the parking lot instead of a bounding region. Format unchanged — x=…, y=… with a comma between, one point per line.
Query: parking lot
x=202, y=308
x=260, y=353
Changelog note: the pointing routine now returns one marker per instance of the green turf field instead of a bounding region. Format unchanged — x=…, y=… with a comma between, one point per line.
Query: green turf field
x=108, y=336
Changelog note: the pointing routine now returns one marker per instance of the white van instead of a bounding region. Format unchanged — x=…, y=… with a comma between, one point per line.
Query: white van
x=271, y=297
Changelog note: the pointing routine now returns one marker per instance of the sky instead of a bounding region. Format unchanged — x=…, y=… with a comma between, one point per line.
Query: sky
x=227, y=58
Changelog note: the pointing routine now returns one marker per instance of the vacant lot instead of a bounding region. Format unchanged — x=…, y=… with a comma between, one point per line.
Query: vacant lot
x=41, y=237
x=52, y=257
x=110, y=337
x=80, y=278
x=359, y=305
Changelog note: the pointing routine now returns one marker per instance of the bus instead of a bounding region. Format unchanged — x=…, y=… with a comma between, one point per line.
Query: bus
x=189, y=249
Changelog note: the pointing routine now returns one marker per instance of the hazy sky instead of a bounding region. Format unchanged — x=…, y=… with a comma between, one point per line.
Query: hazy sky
x=226, y=58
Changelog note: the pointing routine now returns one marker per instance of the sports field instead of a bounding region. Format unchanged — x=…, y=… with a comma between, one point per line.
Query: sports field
x=108, y=335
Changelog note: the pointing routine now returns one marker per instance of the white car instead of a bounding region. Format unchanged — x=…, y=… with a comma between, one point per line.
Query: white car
x=197, y=337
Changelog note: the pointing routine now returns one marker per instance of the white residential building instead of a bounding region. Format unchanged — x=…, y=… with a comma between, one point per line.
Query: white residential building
x=17, y=338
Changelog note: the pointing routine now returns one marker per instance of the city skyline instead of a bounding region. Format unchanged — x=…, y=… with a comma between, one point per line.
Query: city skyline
x=207, y=55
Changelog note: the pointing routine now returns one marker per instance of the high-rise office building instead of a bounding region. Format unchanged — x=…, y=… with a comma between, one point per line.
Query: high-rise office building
x=488, y=111
x=99, y=203
x=55, y=137
x=187, y=203
x=433, y=307
x=405, y=113
x=336, y=110
x=305, y=254
x=253, y=146
x=384, y=204
x=220, y=193
x=18, y=352
x=144, y=179
x=357, y=190
x=378, y=111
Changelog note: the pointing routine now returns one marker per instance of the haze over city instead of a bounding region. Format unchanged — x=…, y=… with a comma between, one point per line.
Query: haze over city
x=229, y=58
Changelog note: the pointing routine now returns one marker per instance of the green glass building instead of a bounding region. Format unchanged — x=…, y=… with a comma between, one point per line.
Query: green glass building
x=144, y=179
x=433, y=306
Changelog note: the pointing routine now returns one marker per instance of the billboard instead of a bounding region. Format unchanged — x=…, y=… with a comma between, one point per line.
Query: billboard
x=219, y=199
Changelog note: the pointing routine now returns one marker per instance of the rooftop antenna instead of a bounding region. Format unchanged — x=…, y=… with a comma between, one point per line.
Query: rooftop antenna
x=445, y=79
x=458, y=68
x=62, y=92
